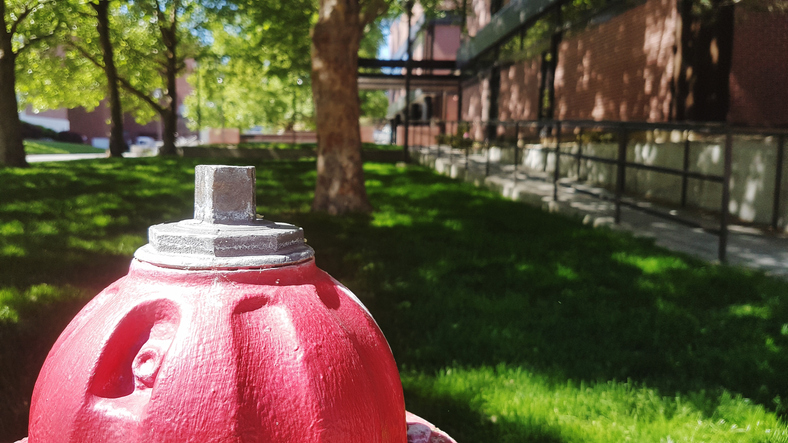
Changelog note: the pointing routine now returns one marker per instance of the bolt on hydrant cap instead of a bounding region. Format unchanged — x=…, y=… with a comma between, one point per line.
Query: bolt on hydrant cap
x=225, y=232
x=224, y=194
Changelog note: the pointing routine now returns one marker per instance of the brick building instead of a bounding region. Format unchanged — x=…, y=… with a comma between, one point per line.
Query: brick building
x=94, y=125
x=433, y=39
x=651, y=61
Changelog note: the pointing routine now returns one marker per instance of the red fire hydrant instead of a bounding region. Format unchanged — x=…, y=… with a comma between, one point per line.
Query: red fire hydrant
x=224, y=330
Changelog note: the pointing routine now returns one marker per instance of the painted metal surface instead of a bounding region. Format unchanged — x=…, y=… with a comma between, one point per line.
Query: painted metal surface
x=167, y=355
x=190, y=348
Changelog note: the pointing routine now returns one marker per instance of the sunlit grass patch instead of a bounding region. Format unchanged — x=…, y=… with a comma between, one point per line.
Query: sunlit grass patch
x=511, y=404
x=15, y=303
x=651, y=265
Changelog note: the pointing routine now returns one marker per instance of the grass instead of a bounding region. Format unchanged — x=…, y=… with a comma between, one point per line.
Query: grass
x=53, y=147
x=508, y=324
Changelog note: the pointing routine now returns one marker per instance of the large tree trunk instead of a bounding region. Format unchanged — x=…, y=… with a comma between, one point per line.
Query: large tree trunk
x=335, y=41
x=705, y=55
x=169, y=121
x=12, y=150
x=170, y=117
x=117, y=143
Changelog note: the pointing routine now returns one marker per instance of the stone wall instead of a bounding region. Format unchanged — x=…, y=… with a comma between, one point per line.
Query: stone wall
x=752, y=182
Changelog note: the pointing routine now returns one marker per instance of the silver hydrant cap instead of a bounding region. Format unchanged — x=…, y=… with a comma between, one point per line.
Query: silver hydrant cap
x=225, y=233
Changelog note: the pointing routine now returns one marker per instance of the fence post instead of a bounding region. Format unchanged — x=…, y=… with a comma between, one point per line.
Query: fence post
x=557, y=167
x=451, y=149
x=487, y=163
x=446, y=132
x=623, y=137
x=467, y=152
x=579, y=152
x=726, y=196
x=516, y=149
x=545, y=150
x=685, y=169
x=778, y=175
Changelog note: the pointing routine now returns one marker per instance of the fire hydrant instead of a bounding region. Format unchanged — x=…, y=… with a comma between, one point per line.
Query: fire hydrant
x=224, y=330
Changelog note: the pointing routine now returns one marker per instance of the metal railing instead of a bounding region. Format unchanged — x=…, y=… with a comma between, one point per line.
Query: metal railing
x=548, y=136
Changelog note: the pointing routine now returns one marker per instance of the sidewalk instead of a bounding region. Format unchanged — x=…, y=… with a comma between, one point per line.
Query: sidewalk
x=748, y=247
x=35, y=158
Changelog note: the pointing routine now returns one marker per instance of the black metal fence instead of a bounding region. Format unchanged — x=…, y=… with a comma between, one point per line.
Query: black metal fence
x=548, y=136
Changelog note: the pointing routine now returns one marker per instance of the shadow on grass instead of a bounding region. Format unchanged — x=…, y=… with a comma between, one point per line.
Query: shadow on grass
x=455, y=276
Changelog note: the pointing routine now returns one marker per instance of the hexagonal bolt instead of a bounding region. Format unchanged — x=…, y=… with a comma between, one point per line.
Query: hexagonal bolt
x=224, y=194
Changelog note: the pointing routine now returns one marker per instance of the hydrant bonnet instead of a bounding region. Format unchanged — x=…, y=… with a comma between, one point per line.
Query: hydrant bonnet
x=225, y=233
x=224, y=330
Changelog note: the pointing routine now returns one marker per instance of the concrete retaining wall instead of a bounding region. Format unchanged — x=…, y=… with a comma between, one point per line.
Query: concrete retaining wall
x=752, y=184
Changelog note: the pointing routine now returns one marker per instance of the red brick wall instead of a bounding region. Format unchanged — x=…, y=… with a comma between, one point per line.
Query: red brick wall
x=447, y=42
x=449, y=108
x=475, y=105
x=620, y=69
x=90, y=124
x=95, y=124
x=519, y=95
x=759, y=70
x=478, y=16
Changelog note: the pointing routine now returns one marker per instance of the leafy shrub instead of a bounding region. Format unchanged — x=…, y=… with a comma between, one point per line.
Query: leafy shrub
x=30, y=131
x=69, y=137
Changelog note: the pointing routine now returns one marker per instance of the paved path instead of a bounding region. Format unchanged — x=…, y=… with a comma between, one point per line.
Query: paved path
x=746, y=246
x=35, y=158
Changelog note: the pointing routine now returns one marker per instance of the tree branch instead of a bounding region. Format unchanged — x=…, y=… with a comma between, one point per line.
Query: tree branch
x=27, y=11
x=141, y=95
x=31, y=41
x=370, y=11
x=85, y=53
x=123, y=82
x=145, y=56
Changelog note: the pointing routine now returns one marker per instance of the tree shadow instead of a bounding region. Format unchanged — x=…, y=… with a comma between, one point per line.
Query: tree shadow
x=455, y=276
x=464, y=278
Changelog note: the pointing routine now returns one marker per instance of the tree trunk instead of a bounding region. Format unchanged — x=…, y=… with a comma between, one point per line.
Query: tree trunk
x=12, y=150
x=170, y=117
x=169, y=120
x=117, y=143
x=335, y=42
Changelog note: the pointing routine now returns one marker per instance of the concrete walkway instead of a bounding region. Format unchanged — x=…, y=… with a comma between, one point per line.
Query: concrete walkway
x=35, y=158
x=747, y=246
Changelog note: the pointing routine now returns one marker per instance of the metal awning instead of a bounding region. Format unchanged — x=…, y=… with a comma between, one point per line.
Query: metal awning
x=509, y=19
x=446, y=80
x=431, y=83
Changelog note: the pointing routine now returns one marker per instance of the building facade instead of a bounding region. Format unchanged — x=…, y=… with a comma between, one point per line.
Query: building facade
x=94, y=125
x=650, y=61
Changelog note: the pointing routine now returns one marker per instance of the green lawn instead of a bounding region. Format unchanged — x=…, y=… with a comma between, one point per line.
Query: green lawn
x=508, y=324
x=53, y=147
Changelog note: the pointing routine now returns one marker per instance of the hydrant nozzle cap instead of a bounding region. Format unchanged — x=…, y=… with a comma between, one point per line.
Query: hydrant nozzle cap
x=224, y=194
x=225, y=232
